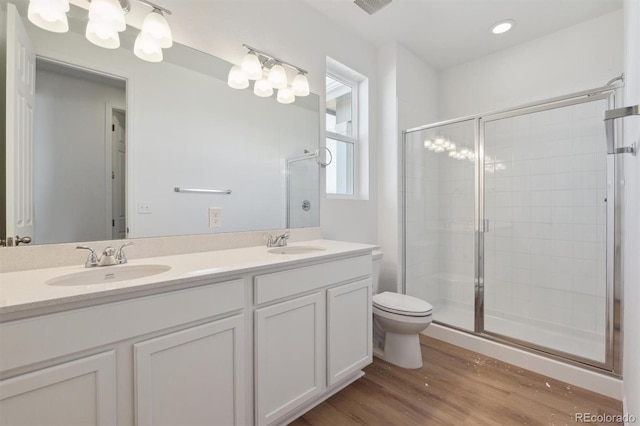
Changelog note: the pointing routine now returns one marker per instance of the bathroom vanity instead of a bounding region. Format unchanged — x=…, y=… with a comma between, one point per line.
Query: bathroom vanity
x=242, y=336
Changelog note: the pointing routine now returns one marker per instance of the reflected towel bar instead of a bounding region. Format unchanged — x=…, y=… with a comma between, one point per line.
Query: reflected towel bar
x=202, y=191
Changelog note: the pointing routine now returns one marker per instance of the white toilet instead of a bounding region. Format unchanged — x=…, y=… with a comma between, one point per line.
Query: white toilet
x=397, y=321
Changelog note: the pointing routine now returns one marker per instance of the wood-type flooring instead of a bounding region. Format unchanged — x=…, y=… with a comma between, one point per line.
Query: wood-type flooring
x=457, y=387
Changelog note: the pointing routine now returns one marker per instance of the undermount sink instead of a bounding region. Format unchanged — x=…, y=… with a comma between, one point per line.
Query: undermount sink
x=108, y=274
x=296, y=250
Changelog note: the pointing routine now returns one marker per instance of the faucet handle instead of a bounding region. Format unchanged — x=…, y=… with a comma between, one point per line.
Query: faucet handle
x=270, y=240
x=121, y=257
x=281, y=240
x=92, y=260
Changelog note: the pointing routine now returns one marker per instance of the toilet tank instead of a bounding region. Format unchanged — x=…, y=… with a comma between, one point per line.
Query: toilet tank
x=375, y=273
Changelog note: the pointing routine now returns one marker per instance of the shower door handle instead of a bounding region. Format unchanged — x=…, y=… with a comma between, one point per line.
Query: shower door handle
x=609, y=117
x=485, y=225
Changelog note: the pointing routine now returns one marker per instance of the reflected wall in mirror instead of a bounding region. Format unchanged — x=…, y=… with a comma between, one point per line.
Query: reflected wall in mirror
x=156, y=126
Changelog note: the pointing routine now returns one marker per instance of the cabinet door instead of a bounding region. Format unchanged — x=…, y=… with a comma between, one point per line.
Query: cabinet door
x=349, y=329
x=289, y=355
x=80, y=392
x=193, y=376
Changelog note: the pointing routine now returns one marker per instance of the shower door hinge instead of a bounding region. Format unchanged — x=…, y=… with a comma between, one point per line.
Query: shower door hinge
x=627, y=150
x=485, y=225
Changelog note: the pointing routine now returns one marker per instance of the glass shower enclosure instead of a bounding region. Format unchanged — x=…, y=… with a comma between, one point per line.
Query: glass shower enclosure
x=510, y=227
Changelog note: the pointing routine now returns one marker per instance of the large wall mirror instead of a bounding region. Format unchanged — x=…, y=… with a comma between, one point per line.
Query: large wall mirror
x=114, y=136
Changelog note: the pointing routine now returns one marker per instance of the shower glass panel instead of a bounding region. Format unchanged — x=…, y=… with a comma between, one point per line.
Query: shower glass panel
x=545, y=236
x=303, y=200
x=439, y=222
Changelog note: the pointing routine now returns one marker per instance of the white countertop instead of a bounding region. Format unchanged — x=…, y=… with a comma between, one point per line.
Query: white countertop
x=28, y=290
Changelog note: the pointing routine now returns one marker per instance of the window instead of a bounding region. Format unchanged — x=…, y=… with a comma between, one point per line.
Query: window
x=341, y=131
x=346, y=118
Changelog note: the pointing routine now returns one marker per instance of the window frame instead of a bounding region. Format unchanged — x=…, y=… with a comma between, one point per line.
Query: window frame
x=354, y=140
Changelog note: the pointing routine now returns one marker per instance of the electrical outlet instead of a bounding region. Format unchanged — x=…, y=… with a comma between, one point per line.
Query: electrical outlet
x=144, y=208
x=215, y=217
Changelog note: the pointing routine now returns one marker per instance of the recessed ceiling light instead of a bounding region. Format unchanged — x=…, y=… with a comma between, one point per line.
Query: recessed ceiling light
x=502, y=26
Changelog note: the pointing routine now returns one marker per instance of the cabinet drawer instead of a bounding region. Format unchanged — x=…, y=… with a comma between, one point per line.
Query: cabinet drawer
x=282, y=284
x=82, y=329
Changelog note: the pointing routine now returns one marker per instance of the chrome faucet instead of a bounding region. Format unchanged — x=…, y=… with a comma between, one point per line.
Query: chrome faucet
x=278, y=240
x=110, y=256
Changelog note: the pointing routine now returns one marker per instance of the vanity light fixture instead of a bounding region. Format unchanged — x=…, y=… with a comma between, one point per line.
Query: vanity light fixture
x=106, y=21
x=50, y=15
x=502, y=26
x=254, y=66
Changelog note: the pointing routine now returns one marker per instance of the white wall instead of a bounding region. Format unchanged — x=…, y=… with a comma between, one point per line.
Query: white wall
x=408, y=93
x=580, y=57
x=631, y=213
x=69, y=157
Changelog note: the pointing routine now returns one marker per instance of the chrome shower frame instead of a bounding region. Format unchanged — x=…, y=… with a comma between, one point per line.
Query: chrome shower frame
x=614, y=328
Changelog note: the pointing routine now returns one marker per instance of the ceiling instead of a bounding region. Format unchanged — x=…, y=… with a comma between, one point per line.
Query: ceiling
x=449, y=32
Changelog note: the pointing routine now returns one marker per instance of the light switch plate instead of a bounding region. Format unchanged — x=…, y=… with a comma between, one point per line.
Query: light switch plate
x=144, y=208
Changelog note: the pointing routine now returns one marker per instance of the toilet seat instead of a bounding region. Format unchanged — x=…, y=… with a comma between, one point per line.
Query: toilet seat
x=401, y=304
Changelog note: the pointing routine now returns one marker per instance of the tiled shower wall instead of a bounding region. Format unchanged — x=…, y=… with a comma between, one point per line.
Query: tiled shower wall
x=545, y=191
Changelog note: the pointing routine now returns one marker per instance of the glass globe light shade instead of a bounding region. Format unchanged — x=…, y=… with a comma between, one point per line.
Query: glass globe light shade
x=155, y=25
x=286, y=96
x=50, y=15
x=237, y=78
x=300, y=85
x=252, y=66
x=263, y=88
x=278, y=77
x=147, y=48
x=108, y=13
x=102, y=35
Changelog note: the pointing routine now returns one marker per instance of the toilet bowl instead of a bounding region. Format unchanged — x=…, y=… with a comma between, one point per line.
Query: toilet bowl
x=397, y=321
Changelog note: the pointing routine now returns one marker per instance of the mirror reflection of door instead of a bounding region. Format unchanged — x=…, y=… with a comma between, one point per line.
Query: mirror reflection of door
x=79, y=138
x=118, y=170
x=18, y=182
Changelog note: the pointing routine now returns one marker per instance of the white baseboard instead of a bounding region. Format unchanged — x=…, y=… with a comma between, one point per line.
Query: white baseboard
x=595, y=382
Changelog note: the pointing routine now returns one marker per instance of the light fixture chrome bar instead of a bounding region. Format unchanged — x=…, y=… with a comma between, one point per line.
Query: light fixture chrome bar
x=155, y=6
x=278, y=60
x=125, y=5
x=202, y=191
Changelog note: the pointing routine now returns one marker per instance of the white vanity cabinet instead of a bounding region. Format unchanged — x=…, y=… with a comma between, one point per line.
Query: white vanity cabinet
x=259, y=345
x=312, y=338
x=172, y=358
x=79, y=392
x=193, y=376
x=349, y=329
x=289, y=355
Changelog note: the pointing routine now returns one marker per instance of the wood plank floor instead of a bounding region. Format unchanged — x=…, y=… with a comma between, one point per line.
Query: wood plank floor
x=456, y=387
